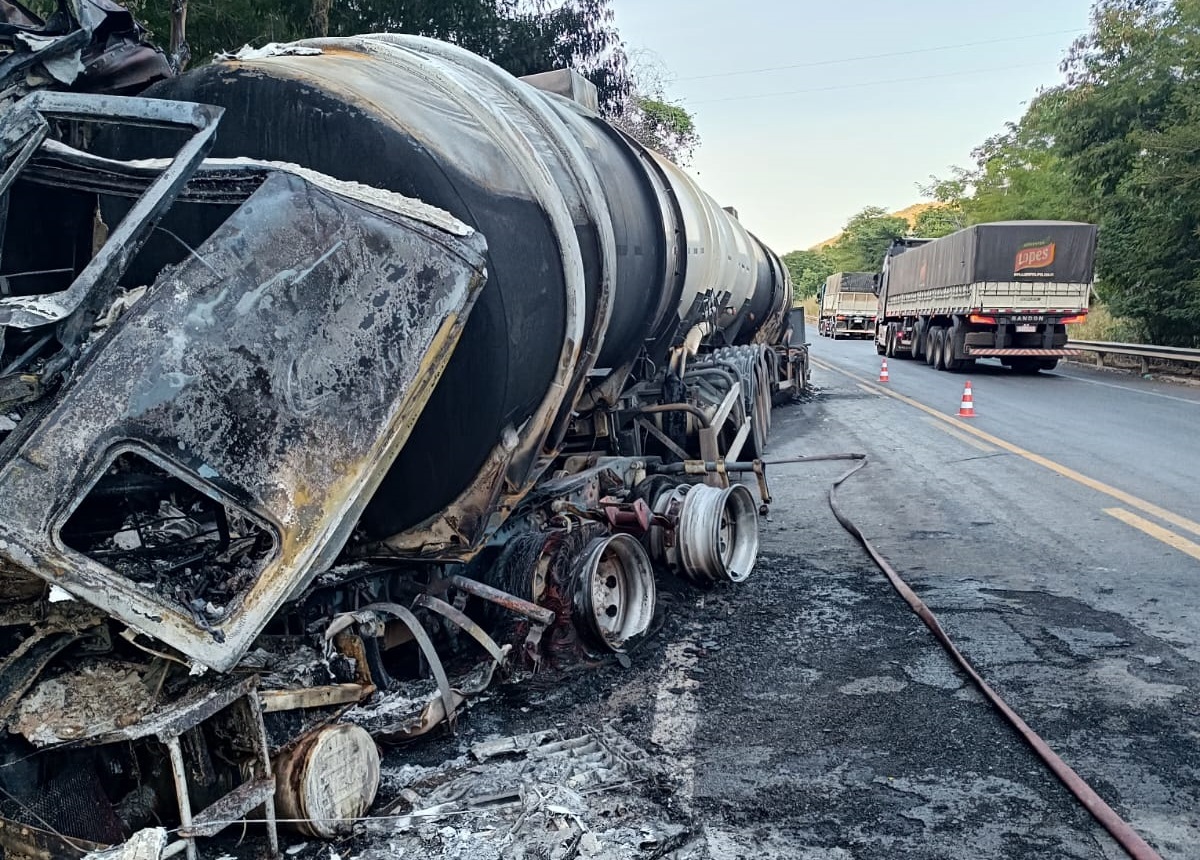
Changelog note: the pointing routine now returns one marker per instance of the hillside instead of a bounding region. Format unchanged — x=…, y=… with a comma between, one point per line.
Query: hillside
x=909, y=213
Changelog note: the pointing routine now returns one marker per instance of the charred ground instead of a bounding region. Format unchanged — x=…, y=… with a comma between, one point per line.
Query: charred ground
x=808, y=713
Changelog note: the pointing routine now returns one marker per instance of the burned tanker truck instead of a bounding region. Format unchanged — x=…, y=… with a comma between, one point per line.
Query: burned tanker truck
x=338, y=381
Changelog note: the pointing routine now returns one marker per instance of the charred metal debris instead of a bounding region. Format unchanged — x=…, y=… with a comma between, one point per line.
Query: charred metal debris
x=220, y=584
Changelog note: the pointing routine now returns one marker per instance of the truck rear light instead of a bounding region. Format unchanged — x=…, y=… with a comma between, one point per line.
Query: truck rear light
x=1078, y=318
x=841, y=317
x=981, y=319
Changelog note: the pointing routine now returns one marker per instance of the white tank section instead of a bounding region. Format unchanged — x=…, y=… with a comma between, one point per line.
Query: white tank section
x=720, y=265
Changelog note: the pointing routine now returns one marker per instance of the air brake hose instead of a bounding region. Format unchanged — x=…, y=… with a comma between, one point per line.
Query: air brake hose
x=1118, y=828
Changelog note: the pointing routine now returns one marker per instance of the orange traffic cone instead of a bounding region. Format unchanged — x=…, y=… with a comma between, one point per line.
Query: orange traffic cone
x=967, y=408
x=883, y=373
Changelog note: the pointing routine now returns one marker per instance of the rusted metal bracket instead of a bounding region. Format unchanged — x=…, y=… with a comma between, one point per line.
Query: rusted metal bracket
x=458, y=617
x=764, y=492
x=532, y=611
x=404, y=614
x=663, y=438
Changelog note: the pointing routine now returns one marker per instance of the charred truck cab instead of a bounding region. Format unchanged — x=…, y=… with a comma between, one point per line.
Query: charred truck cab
x=1006, y=290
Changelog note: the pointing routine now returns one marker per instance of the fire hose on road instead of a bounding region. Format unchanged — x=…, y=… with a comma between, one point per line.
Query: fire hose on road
x=1129, y=840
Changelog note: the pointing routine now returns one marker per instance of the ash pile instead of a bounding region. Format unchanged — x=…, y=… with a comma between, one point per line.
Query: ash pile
x=537, y=795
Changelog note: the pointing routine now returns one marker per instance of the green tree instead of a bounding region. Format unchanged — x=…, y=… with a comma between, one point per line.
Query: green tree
x=649, y=115
x=808, y=270
x=1018, y=174
x=521, y=36
x=1117, y=144
x=1128, y=131
x=660, y=125
x=865, y=238
x=937, y=221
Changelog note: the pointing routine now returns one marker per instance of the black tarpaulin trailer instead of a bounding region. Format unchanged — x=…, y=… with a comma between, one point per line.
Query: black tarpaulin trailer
x=1006, y=290
x=1061, y=252
x=850, y=282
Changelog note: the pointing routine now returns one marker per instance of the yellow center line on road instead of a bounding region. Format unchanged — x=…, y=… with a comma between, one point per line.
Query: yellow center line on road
x=1066, y=472
x=868, y=389
x=1156, y=531
x=958, y=434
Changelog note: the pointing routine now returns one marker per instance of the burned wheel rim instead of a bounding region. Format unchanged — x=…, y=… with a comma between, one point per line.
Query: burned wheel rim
x=614, y=588
x=718, y=533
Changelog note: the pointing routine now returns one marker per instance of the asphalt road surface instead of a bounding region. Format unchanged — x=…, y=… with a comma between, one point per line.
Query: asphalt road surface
x=807, y=713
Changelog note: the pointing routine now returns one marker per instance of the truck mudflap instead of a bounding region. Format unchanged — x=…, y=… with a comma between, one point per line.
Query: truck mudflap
x=990, y=352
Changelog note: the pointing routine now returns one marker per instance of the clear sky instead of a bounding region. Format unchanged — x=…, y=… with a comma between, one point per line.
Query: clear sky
x=800, y=150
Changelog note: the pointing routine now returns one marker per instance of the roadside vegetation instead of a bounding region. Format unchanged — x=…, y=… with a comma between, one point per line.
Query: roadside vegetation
x=1117, y=144
x=521, y=36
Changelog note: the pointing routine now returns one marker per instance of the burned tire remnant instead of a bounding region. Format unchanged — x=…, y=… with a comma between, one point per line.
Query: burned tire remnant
x=412, y=378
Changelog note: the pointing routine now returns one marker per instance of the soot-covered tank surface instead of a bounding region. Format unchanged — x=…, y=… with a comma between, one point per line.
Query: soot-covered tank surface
x=600, y=251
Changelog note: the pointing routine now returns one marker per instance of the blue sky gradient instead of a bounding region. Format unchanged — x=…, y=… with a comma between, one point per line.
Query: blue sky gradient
x=800, y=150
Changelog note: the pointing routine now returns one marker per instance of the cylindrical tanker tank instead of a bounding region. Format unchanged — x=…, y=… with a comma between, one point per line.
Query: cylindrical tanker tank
x=768, y=309
x=597, y=248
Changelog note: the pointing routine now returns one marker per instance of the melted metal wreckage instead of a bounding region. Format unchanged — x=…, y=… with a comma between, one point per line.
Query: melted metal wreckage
x=177, y=463
x=88, y=45
x=209, y=368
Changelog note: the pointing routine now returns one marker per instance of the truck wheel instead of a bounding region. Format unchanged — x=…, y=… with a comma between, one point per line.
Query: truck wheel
x=1048, y=364
x=949, y=362
x=881, y=350
x=918, y=344
x=943, y=356
x=931, y=346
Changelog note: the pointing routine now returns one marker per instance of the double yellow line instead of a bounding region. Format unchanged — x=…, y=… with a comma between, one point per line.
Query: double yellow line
x=1129, y=518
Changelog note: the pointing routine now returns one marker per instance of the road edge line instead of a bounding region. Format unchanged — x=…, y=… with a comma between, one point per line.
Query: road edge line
x=1156, y=531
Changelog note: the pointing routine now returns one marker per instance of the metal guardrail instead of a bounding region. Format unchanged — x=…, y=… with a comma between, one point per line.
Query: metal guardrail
x=1142, y=351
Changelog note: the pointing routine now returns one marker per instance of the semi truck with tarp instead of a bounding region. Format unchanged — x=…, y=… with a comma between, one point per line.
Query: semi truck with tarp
x=848, y=307
x=1005, y=290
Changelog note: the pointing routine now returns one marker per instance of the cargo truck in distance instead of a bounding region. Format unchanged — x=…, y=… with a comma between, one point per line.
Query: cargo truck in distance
x=848, y=305
x=1005, y=290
